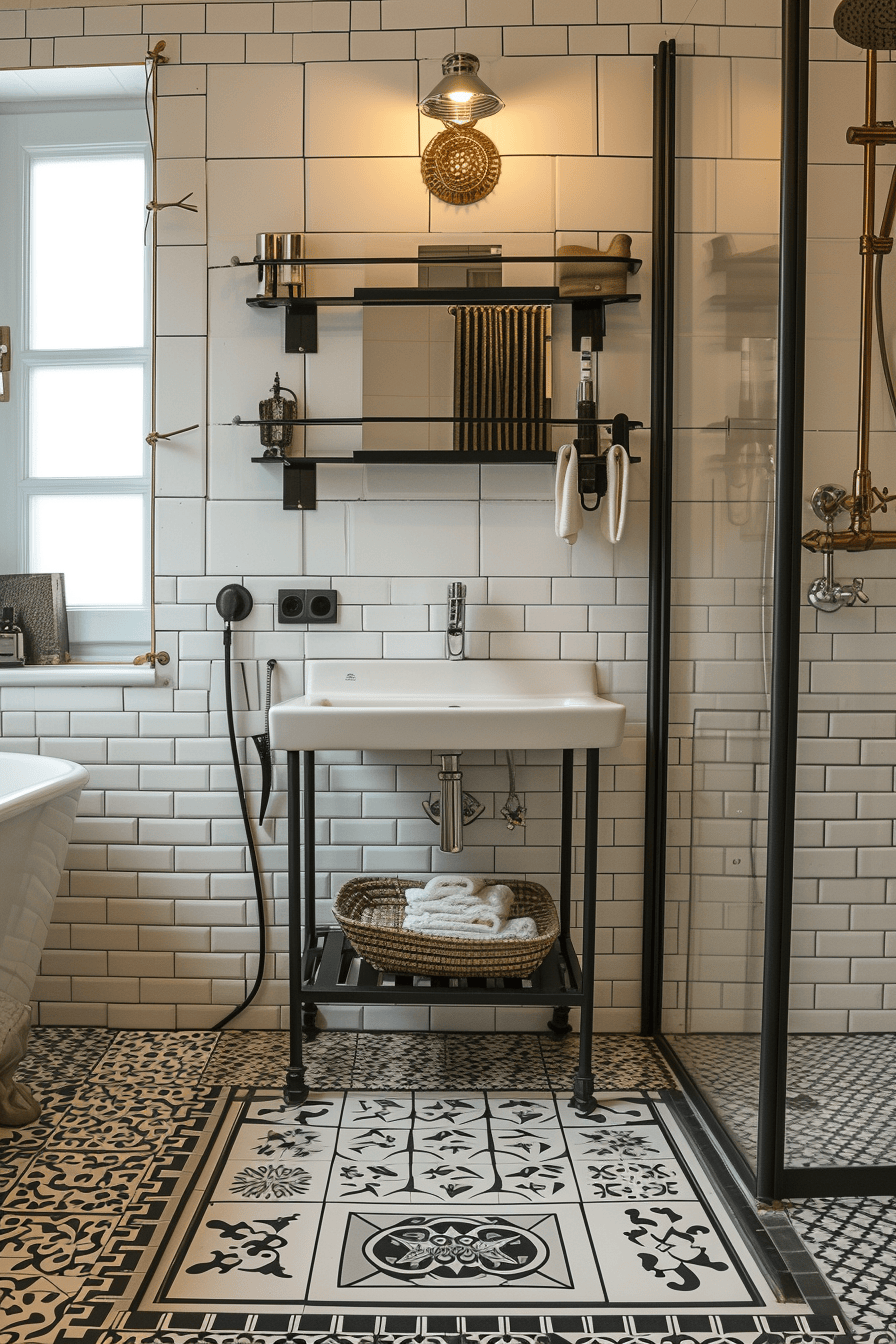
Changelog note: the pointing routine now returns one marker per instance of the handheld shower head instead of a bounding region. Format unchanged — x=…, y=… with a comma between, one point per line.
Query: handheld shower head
x=870, y=24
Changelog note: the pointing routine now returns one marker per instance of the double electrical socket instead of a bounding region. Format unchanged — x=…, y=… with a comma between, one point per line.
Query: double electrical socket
x=306, y=606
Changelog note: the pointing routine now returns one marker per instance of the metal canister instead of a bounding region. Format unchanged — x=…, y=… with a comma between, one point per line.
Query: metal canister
x=275, y=438
x=279, y=282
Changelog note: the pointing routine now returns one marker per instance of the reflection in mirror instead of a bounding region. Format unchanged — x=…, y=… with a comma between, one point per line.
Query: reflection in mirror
x=75, y=276
x=458, y=359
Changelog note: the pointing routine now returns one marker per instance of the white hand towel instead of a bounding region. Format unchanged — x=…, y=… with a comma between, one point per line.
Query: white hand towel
x=441, y=927
x=491, y=908
x=568, y=515
x=612, y=515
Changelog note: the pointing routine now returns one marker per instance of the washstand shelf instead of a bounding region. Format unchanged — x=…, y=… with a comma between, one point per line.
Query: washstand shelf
x=324, y=967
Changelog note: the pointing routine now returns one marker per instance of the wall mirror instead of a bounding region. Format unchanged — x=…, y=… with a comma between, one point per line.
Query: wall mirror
x=75, y=293
x=466, y=358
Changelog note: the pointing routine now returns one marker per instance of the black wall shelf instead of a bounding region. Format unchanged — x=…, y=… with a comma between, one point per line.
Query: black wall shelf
x=300, y=473
x=589, y=317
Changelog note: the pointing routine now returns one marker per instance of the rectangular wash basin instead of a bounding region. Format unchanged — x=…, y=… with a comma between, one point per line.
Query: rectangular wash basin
x=437, y=705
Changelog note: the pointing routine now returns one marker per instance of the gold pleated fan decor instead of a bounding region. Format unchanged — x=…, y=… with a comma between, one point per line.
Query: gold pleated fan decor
x=460, y=165
x=502, y=371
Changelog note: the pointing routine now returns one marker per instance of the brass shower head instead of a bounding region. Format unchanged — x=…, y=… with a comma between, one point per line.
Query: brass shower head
x=870, y=24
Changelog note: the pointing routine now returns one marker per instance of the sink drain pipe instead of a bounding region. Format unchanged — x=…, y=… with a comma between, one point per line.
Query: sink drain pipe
x=233, y=603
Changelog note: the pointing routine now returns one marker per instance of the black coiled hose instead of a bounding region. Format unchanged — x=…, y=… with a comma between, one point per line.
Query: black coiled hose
x=250, y=840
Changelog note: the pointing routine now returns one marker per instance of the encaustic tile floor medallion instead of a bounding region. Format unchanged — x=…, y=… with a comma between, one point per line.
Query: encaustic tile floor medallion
x=186, y=1211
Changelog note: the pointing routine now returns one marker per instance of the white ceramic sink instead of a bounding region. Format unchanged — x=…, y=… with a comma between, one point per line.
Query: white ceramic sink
x=437, y=705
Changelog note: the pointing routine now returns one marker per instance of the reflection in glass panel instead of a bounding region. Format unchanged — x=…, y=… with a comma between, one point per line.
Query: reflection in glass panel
x=841, y=1109
x=96, y=541
x=86, y=421
x=87, y=255
x=723, y=533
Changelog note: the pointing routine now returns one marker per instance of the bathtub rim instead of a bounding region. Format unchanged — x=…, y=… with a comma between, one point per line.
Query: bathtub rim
x=68, y=776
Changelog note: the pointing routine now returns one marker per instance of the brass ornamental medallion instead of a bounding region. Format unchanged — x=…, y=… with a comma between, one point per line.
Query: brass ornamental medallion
x=460, y=165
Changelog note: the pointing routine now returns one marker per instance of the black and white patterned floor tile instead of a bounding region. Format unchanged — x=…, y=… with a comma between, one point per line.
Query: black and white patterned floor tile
x=840, y=1102
x=63, y=1055
x=854, y=1242
x=260, y=1058
x=78, y=1232
x=400, y=1059
x=618, y=1061
x=481, y=1061
x=368, y=1201
x=158, y=1056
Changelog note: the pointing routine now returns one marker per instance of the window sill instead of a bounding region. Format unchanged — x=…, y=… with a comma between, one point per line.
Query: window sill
x=79, y=674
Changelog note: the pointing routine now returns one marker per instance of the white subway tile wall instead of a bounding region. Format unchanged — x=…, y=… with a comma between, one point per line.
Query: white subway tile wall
x=301, y=115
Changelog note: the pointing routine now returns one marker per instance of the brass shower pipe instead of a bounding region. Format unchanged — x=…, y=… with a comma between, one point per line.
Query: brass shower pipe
x=866, y=499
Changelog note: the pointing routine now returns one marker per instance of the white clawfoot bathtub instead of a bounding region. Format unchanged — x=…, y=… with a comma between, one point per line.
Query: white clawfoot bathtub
x=38, y=801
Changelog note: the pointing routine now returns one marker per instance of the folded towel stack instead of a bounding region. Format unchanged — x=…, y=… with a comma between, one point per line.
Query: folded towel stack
x=465, y=907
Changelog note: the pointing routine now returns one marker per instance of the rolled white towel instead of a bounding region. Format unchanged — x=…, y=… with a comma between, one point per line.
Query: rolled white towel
x=443, y=927
x=478, y=914
x=447, y=884
x=491, y=906
x=568, y=515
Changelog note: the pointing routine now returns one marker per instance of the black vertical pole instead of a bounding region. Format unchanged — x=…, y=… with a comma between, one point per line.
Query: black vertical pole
x=295, y=1090
x=309, y=1012
x=310, y=866
x=660, y=542
x=787, y=598
x=567, y=798
x=559, y=1021
x=583, y=1081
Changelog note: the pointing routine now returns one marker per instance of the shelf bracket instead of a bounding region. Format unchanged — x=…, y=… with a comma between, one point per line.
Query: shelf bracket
x=589, y=318
x=300, y=336
x=299, y=485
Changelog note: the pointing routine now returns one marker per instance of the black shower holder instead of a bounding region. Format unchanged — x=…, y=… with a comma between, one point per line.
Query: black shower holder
x=592, y=463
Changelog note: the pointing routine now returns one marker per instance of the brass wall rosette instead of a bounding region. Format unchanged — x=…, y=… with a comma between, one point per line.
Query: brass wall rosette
x=460, y=165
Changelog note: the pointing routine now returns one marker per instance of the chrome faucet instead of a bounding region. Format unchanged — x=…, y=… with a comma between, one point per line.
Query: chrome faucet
x=454, y=647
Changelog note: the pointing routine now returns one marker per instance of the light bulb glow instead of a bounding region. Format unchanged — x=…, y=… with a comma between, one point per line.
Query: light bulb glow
x=461, y=96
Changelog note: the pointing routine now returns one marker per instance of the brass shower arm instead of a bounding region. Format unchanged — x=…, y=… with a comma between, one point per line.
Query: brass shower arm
x=821, y=543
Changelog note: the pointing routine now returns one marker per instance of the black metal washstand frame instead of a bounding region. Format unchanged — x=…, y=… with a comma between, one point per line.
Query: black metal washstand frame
x=324, y=968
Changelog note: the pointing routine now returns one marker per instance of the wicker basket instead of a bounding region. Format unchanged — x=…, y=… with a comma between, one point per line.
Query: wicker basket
x=371, y=911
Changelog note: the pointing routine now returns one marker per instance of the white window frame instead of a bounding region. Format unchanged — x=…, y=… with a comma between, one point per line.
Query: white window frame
x=97, y=633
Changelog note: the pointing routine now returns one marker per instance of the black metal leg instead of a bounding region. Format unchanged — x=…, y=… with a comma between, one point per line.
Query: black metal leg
x=567, y=808
x=309, y=1010
x=559, y=1023
x=295, y=1089
x=583, y=1081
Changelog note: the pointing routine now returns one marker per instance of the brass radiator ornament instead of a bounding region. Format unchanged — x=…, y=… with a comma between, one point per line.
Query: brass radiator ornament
x=866, y=499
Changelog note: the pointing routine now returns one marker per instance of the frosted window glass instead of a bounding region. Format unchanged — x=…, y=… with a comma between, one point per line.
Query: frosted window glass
x=96, y=541
x=87, y=253
x=87, y=421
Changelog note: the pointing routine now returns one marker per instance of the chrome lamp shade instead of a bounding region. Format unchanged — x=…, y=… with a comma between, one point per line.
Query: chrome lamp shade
x=461, y=97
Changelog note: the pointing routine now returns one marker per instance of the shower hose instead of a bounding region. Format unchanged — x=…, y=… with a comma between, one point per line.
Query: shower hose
x=250, y=838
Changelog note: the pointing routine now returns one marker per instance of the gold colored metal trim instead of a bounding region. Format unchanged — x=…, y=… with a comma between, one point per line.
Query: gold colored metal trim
x=859, y=534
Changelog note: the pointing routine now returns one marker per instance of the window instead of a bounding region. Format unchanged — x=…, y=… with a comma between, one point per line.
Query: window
x=75, y=438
